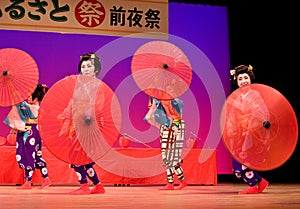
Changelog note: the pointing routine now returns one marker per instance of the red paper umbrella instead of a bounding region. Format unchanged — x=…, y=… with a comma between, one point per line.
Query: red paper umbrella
x=2, y=140
x=11, y=139
x=260, y=127
x=18, y=76
x=161, y=70
x=79, y=119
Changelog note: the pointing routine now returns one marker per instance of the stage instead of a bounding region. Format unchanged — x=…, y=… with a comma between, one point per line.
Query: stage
x=221, y=196
x=121, y=170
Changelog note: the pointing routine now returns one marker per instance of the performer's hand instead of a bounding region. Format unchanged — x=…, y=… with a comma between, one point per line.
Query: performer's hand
x=13, y=131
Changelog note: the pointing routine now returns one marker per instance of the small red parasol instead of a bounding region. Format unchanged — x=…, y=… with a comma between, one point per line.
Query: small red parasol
x=79, y=119
x=260, y=127
x=19, y=76
x=161, y=70
x=2, y=140
x=11, y=139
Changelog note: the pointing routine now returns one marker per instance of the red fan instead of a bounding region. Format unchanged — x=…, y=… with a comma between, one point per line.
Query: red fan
x=260, y=127
x=79, y=119
x=19, y=76
x=161, y=70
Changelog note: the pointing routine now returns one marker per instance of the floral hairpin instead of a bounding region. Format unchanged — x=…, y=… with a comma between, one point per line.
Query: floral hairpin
x=93, y=56
x=232, y=73
x=44, y=88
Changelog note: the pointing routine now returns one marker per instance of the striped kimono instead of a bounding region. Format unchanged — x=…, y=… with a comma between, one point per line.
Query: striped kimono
x=167, y=115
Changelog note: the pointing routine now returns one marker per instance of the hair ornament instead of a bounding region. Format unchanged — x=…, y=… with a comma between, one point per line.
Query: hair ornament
x=93, y=56
x=232, y=73
x=250, y=68
x=44, y=88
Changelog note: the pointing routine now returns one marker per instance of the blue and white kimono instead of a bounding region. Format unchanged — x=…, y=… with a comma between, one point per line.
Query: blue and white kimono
x=23, y=118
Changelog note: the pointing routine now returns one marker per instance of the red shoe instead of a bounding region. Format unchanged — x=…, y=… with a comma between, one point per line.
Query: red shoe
x=83, y=189
x=47, y=182
x=249, y=190
x=168, y=187
x=98, y=189
x=181, y=185
x=26, y=185
x=262, y=185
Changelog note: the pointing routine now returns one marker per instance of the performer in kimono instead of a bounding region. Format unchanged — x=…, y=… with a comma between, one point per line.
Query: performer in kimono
x=89, y=65
x=167, y=116
x=241, y=77
x=23, y=119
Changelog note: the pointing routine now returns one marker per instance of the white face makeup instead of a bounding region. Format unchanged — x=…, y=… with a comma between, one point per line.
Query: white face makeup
x=88, y=68
x=243, y=80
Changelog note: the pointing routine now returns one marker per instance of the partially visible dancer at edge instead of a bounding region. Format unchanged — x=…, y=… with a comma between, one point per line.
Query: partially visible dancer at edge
x=23, y=119
x=89, y=65
x=167, y=116
x=242, y=76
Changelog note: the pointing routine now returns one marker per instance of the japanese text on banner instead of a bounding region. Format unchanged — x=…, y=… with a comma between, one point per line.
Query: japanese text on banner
x=138, y=18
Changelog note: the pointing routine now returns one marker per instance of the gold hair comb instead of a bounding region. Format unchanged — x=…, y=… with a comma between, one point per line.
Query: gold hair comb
x=250, y=68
